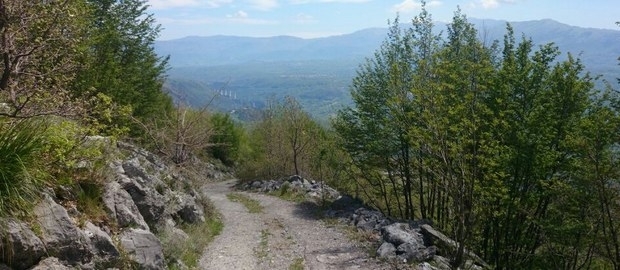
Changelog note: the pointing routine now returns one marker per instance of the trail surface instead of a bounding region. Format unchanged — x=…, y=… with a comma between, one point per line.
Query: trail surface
x=284, y=234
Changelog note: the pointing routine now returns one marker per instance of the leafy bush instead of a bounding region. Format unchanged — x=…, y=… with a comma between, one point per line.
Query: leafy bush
x=20, y=144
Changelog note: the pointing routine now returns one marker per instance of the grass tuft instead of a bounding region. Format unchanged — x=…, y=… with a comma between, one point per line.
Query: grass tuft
x=19, y=151
x=188, y=250
x=253, y=206
x=298, y=264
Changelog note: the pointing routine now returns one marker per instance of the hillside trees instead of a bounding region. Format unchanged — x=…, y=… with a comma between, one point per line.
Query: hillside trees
x=285, y=141
x=41, y=44
x=122, y=63
x=511, y=150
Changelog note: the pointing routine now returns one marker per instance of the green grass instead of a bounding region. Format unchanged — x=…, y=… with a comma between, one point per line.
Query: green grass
x=298, y=264
x=20, y=146
x=253, y=206
x=262, y=251
x=190, y=250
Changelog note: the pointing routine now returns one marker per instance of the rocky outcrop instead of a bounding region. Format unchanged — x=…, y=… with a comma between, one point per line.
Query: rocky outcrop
x=143, y=248
x=141, y=196
x=20, y=246
x=121, y=208
x=105, y=251
x=310, y=188
x=50, y=263
x=61, y=236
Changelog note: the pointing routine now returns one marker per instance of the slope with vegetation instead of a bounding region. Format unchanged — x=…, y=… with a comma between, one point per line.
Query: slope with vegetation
x=76, y=77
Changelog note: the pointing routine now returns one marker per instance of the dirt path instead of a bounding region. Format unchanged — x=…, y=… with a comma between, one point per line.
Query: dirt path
x=286, y=234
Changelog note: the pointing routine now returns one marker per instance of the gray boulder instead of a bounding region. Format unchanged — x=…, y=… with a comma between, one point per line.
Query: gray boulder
x=386, y=250
x=60, y=235
x=21, y=247
x=150, y=203
x=400, y=233
x=143, y=248
x=367, y=220
x=102, y=245
x=183, y=207
x=121, y=208
x=413, y=252
x=50, y=263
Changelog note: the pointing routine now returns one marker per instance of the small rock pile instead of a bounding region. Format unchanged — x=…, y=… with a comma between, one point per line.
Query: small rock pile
x=295, y=183
x=401, y=241
x=411, y=241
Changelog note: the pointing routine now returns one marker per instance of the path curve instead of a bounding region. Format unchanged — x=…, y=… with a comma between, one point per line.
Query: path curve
x=284, y=234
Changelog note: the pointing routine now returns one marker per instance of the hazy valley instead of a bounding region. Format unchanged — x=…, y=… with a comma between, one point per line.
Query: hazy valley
x=241, y=73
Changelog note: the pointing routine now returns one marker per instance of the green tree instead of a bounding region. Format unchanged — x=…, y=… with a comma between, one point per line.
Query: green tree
x=41, y=44
x=122, y=62
x=226, y=140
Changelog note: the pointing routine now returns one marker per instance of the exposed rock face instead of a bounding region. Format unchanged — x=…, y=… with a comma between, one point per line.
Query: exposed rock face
x=143, y=248
x=21, y=247
x=141, y=195
x=121, y=208
x=106, y=253
x=149, y=201
x=50, y=263
x=61, y=236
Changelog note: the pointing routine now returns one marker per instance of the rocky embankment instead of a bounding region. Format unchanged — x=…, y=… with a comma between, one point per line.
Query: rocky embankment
x=141, y=197
x=414, y=242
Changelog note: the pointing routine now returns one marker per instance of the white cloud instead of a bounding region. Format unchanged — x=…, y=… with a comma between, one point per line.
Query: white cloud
x=239, y=15
x=490, y=4
x=302, y=18
x=327, y=1
x=163, y=4
x=409, y=6
x=263, y=4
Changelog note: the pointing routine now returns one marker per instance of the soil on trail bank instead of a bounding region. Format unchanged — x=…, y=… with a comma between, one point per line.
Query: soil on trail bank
x=284, y=236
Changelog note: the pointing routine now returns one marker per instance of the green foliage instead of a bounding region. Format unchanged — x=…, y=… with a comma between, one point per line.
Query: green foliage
x=121, y=62
x=226, y=139
x=20, y=147
x=510, y=151
x=42, y=45
x=189, y=250
x=285, y=141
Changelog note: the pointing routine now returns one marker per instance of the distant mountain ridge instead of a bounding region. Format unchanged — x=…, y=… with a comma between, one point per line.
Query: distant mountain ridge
x=224, y=50
x=318, y=71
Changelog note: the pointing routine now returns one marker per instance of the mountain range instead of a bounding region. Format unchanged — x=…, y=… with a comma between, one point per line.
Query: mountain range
x=244, y=72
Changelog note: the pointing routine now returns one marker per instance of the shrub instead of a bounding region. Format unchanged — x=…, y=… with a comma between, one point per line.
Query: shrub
x=20, y=144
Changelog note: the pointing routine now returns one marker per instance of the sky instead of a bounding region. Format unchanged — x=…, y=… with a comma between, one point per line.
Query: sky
x=320, y=18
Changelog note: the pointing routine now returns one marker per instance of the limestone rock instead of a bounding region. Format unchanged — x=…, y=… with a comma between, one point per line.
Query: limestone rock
x=183, y=207
x=121, y=207
x=143, y=248
x=386, y=250
x=102, y=245
x=398, y=234
x=21, y=247
x=414, y=252
x=150, y=203
x=61, y=236
x=50, y=263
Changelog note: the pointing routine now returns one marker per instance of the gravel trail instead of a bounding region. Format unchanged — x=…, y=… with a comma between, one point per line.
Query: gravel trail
x=286, y=234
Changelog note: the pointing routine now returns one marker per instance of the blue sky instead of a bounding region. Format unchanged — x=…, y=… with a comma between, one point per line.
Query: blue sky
x=318, y=18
